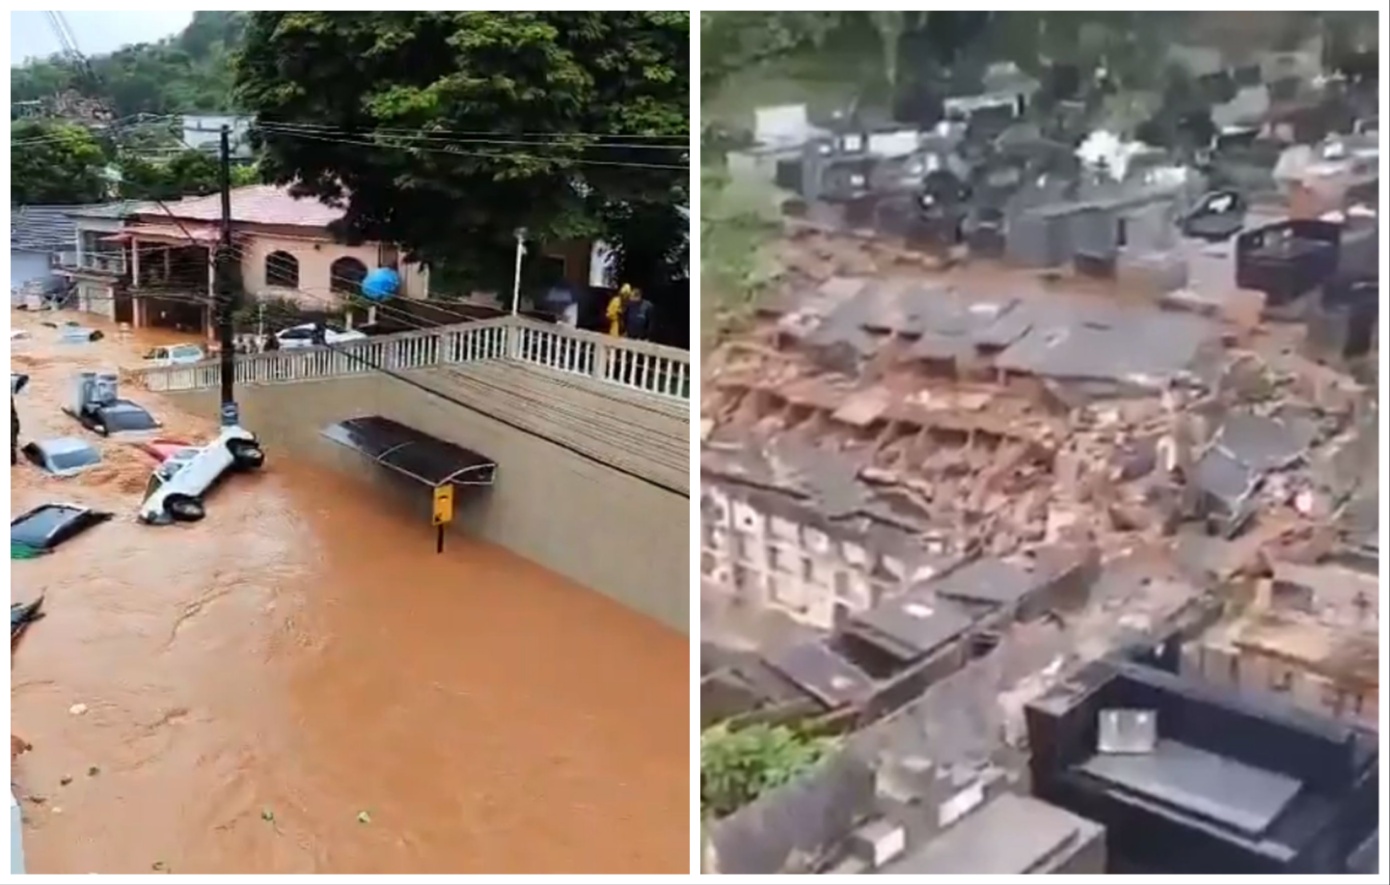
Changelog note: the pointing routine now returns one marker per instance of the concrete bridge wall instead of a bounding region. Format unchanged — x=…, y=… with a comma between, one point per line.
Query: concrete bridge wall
x=621, y=535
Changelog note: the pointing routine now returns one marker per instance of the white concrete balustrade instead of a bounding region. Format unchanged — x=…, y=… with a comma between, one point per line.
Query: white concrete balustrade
x=636, y=365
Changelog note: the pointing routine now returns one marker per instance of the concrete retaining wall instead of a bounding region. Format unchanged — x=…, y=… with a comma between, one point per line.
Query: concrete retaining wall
x=616, y=534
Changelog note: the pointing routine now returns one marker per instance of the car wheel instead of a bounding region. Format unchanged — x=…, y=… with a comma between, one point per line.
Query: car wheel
x=246, y=454
x=183, y=508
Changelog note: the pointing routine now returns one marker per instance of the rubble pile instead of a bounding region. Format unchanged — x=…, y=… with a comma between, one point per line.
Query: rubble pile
x=1012, y=424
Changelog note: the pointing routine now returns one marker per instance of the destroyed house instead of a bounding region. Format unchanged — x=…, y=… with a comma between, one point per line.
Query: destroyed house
x=1200, y=779
x=794, y=529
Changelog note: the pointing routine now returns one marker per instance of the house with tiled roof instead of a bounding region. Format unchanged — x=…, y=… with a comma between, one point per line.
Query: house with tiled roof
x=284, y=249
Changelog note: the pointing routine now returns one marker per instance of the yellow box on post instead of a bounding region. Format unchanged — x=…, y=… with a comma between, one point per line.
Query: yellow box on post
x=443, y=514
x=443, y=505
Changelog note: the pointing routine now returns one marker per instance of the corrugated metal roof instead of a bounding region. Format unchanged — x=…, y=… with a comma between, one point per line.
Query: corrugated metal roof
x=42, y=228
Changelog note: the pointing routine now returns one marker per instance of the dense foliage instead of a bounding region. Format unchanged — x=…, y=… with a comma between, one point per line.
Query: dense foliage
x=739, y=765
x=56, y=162
x=189, y=72
x=447, y=131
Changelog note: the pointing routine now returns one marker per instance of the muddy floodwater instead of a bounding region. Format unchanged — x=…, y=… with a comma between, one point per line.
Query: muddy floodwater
x=300, y=684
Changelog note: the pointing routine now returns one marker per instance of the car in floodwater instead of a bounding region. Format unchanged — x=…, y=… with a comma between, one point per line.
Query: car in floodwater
x=177, y=486
x=162, y=449
x=98, y=407
x=306, y=335
x=174, y=355
x=49, y=525
x=64, y=456
x=75, y=334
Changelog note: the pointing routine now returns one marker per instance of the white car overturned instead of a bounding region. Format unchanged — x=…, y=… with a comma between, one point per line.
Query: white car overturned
x=177, y=486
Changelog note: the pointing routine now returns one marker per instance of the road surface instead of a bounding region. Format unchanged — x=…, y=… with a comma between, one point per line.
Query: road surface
x=299, y=684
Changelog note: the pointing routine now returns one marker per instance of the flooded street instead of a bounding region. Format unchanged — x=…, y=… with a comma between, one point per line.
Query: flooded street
x=300, y=684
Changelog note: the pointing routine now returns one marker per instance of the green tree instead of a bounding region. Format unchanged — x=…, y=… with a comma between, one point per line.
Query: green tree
x=191, y=71
x=52, y=162
x=399, y=114
x=739, y=765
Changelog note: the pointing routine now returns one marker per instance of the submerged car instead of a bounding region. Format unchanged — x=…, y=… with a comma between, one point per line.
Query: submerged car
x=98, y=408
x=75, y=334
x=64, y=456
x=307, y=335
x=175, y=355
x=48, y=525
x=177, y=486
x=162, y=449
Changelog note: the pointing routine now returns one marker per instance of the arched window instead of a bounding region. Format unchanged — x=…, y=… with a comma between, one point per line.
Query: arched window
x=282, y=269
x=346, y=275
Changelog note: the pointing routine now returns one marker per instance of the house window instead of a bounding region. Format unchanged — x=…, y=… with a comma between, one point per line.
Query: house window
x=346, y=274
x=282, y=269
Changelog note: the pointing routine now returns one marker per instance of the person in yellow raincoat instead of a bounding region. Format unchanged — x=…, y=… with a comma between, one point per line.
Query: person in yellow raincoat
x=617, y=305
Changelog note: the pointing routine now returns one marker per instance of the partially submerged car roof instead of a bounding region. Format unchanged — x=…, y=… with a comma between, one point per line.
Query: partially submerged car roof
x=63, y=444
x=48, y=525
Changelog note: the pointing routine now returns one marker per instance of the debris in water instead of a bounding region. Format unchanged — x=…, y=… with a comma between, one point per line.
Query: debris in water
x=157, y=866
x=93, y=771
x=57, y=810
x=363, y=817
x=267, y=815
x=65, y=780
x=77, y=709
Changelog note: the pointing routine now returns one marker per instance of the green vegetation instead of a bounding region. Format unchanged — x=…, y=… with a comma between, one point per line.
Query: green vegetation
x=186, y=73
x=739, y=765
x=53, y=161
x=597, y=105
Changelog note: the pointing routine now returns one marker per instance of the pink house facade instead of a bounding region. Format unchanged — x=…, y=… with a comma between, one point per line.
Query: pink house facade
x=283, y=246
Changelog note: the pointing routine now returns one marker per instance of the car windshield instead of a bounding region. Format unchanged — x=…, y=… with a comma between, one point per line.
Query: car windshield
x=187, y=351
x=155, y=353
x=71, y=459
x=128, y=418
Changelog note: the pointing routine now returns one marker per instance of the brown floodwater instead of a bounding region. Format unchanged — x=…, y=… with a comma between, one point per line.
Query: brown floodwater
x=300, y=684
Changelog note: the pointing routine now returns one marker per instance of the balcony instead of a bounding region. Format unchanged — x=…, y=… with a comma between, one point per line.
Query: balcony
x=633, y=366
x=110, y=264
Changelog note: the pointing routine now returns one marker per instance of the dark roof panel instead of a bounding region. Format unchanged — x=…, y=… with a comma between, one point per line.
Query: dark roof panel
x=412, y=453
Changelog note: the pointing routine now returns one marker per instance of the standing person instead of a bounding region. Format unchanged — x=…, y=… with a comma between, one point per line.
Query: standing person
x=637, y=317
x=616, y=308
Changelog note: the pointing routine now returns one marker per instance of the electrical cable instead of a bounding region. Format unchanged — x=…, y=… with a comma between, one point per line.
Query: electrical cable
x=477, y=154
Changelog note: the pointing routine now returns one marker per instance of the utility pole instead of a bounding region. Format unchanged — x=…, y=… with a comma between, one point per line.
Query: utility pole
x=516, y=278
x=224, y=291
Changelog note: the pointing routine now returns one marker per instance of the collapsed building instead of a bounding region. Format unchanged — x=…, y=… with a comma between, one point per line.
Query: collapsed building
x=923, y=475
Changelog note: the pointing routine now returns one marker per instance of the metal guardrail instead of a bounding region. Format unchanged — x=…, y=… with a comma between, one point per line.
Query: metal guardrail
x=635, y=365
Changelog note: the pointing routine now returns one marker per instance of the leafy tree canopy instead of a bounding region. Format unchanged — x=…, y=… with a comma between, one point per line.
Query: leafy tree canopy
x=55, y=162
x=189, y=72
x=446, y=131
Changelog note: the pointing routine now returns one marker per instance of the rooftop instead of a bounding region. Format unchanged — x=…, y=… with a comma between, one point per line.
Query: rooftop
x=256, y=204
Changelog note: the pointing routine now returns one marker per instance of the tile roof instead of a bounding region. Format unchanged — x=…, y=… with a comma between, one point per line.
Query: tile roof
x=256, y=204
x=42, y=228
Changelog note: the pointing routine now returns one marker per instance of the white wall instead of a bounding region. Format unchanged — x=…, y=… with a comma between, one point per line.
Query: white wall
x=28, y=266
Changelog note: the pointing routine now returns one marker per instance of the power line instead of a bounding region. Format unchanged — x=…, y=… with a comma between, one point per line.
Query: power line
x=495, y=155
x=562, y=140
